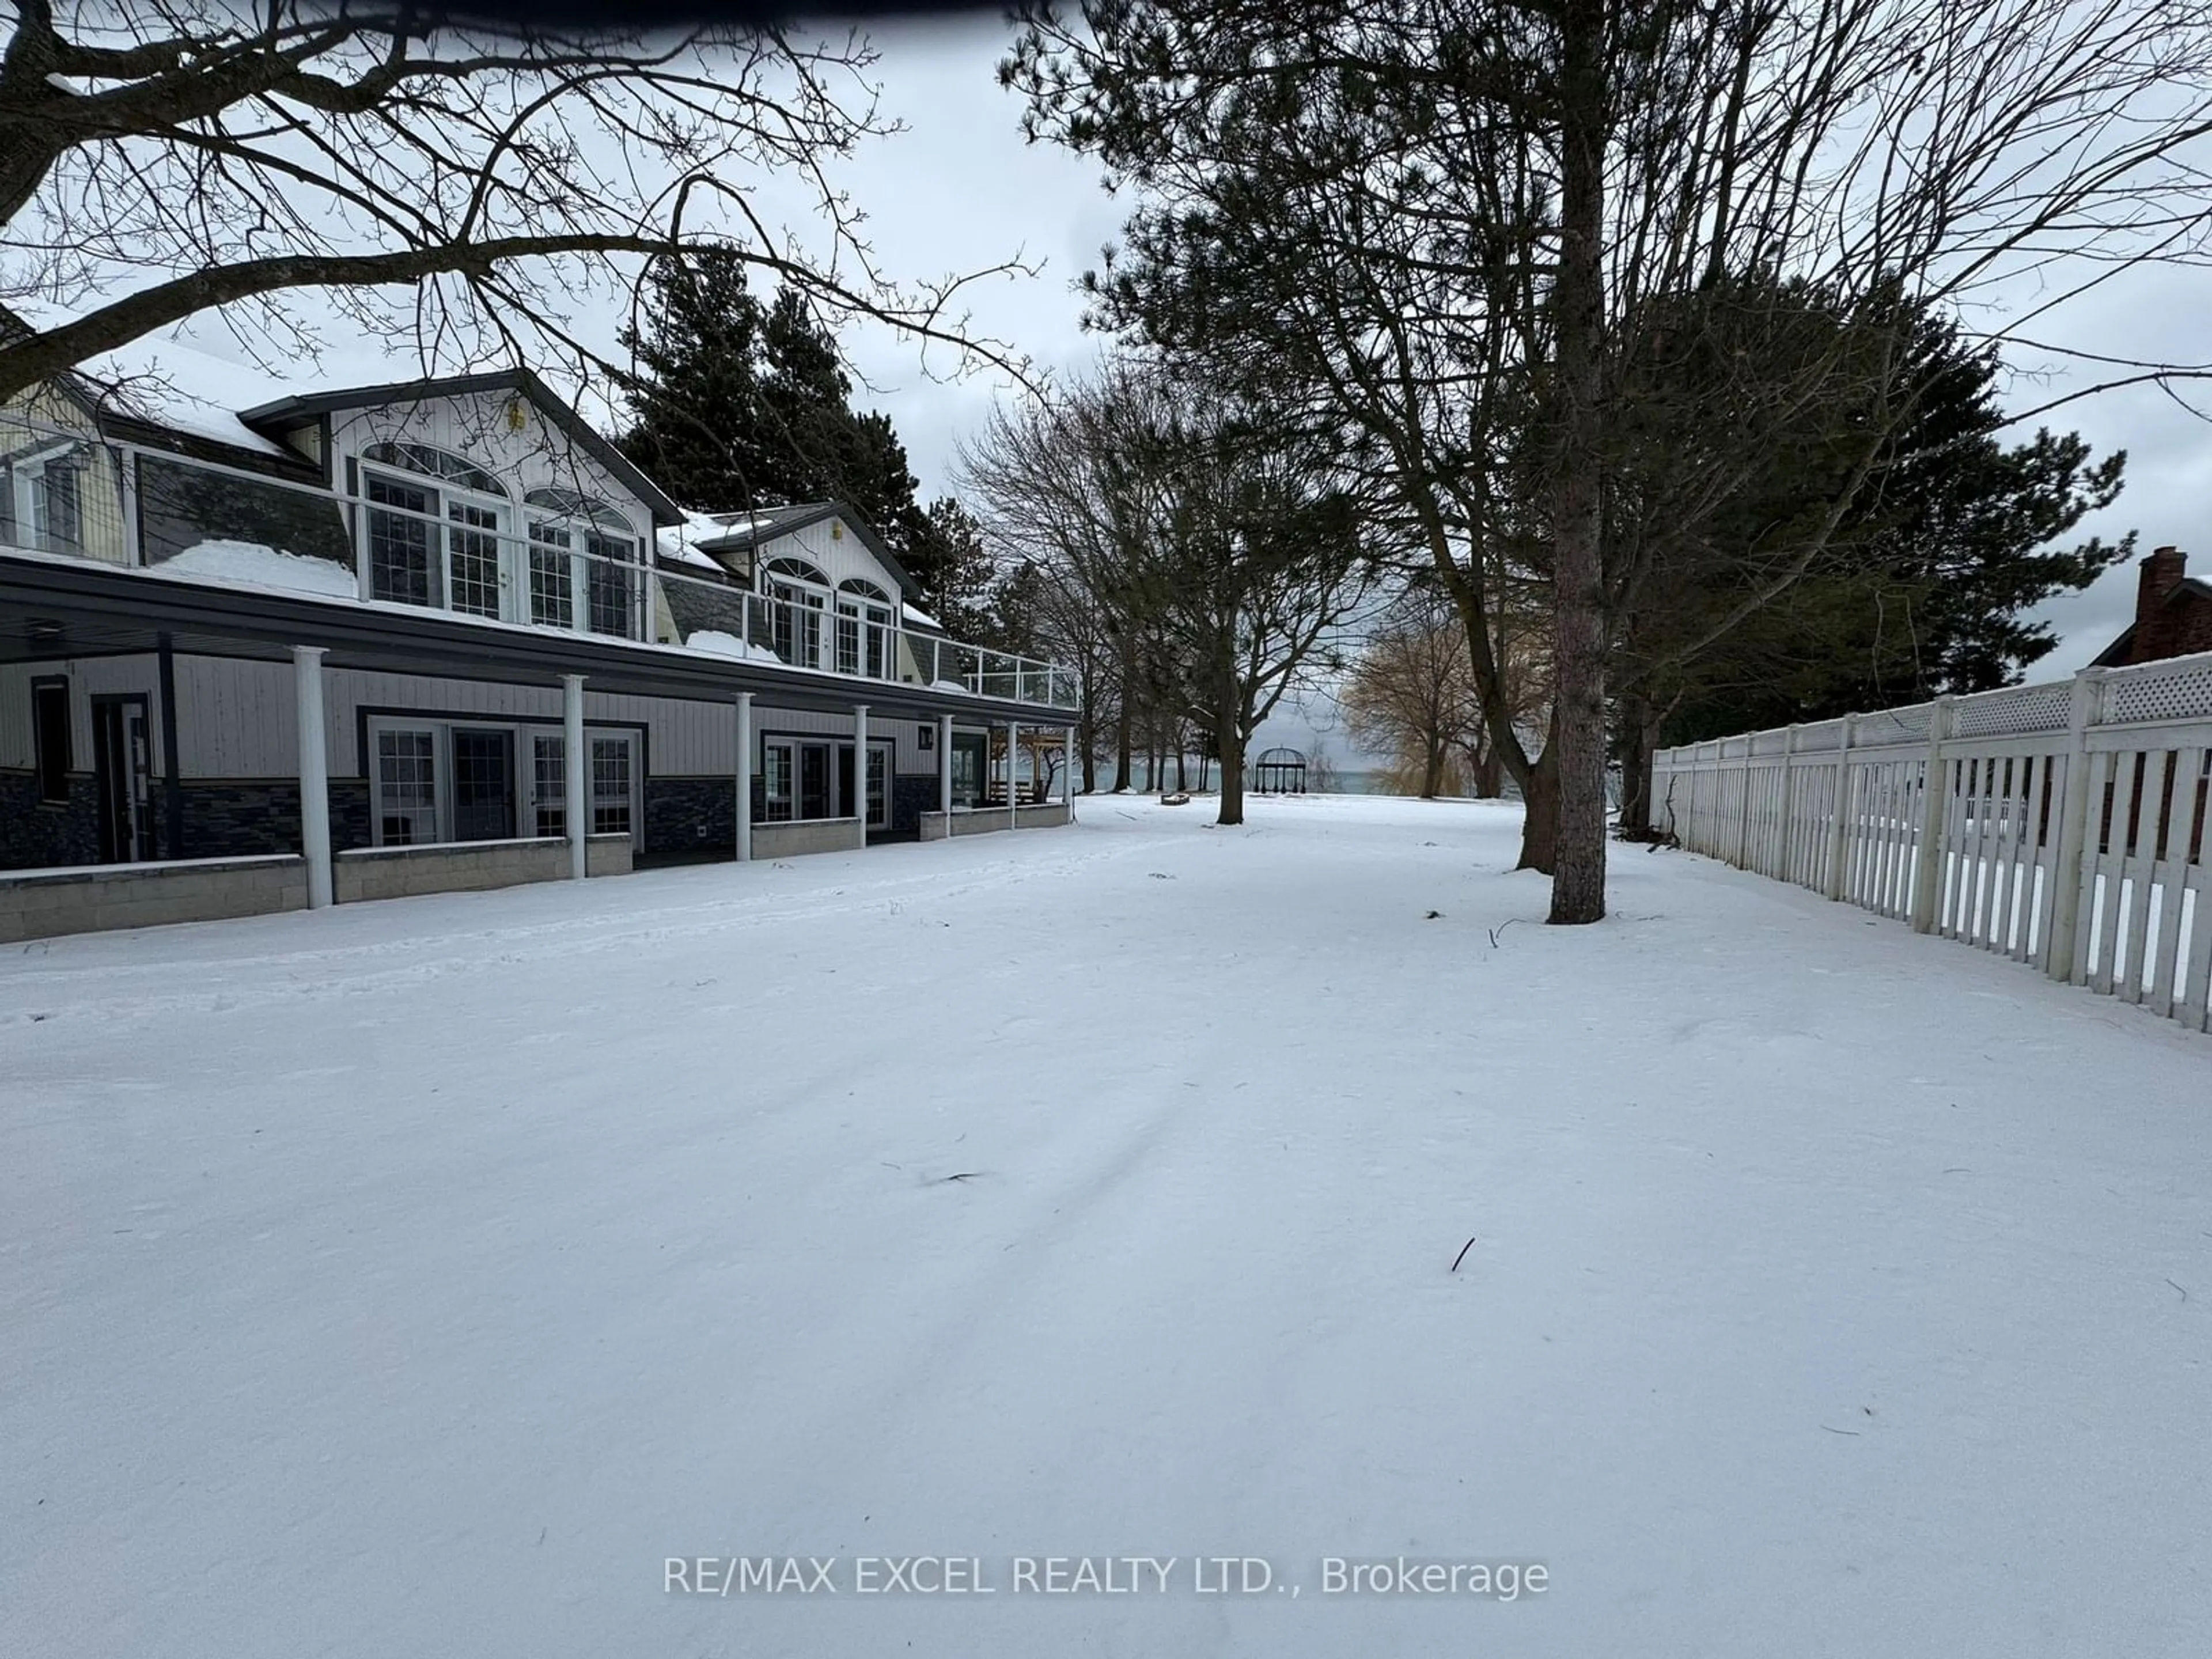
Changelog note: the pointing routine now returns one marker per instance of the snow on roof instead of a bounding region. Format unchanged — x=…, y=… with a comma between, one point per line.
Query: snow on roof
x=187, y=380
x=682, y=542
x=920, y=618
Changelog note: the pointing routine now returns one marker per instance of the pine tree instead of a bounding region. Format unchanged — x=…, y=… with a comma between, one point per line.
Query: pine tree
x=696, y=392
x=946, y=555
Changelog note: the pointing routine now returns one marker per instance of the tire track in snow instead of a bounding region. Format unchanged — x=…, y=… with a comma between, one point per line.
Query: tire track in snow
x=319, y=972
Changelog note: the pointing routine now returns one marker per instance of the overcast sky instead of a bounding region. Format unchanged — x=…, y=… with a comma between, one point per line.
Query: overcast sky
x=960, y=190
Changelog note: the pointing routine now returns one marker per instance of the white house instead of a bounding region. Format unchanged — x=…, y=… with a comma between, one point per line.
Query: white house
x=458, y=618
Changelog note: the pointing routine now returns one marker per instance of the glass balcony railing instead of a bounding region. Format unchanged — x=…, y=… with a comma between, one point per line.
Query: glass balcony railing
x=426, y=542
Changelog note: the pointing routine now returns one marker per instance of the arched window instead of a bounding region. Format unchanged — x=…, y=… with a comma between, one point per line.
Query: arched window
x=575, y=504
x=435, y=463
x=800, y=593
x=794, y=570
x=409, y=561
x=578, y=544
x=865, y=619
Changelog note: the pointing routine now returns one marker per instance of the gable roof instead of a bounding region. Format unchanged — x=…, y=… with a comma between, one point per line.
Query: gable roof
x=2119, y=652
x=754, y=530
x=285, y=411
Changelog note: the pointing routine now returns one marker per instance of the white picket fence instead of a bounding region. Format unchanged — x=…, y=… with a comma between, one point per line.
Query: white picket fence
x=2068, y=827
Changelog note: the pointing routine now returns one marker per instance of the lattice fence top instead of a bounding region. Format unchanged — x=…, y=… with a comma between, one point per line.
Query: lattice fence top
x=1820, y=734
x=2180, y=690
x=2017, y=709
x=1889, y=725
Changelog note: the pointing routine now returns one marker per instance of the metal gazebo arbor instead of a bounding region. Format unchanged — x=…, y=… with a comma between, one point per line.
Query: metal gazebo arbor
x=1279, y=772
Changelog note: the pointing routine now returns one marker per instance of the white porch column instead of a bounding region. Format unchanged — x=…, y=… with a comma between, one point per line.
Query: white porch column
x=1068, y=764
x=944, y=769
x=858, y=806
x=314, y=773
x=1013, y=796
x=574, y=772
x=744, y=770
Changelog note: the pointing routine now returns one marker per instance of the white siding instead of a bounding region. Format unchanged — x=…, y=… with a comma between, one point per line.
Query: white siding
x=89, y=676
x=477, y=427
x=840, y=555
x=237, y=719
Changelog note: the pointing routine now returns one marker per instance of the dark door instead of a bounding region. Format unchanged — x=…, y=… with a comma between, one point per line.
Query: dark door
x=968, y=752
x=814, y=780
x=123, y=767
x=483, y=784
x=846, y=800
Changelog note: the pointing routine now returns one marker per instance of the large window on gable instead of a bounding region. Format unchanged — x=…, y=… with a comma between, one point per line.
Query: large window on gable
x=863, y=629
x=584, y=556
x=438, y=538
x=801, y=593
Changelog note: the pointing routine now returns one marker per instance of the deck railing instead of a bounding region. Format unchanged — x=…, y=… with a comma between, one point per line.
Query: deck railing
x=2066, y=825
x=74, y=492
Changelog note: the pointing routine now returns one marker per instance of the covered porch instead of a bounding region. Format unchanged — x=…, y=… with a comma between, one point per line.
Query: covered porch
x=469, y=753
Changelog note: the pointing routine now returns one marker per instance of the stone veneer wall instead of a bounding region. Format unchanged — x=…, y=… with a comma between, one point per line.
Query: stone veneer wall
x=240, y=817
x=35, y=834
x=691, y=815
x=911, y=796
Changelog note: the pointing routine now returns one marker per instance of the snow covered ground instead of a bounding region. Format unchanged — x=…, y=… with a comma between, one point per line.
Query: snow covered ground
x=417, y=1278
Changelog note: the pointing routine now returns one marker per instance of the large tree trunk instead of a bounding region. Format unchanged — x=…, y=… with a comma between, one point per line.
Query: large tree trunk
x=1485, y=768
x=1125, y=725
x=1433, y=771
x=1539, y=820
x=1578, y=500
x=1638, y=736
x=1229, y=739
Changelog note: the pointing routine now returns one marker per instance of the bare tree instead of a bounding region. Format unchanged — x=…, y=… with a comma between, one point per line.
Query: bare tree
x=1218, y=549
x=467, y=189
x=1443, y=223
x=1412, y=696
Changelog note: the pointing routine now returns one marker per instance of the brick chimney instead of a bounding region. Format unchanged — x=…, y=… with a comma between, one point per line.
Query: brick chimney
x=2159, y=574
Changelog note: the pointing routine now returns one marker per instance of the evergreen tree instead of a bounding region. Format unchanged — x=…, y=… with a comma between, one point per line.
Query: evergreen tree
x=696, y=393
x=1924, y=592
x=741, y=405
x=946, y=555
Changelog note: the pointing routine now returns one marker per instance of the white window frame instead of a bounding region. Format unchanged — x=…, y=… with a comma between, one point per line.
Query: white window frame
x=596, y=535
x=868, y=608
x=787, y=749
x=532, y=804
x=31, y=496
x=438, y=813
x=801, y=586
x=448, y=498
